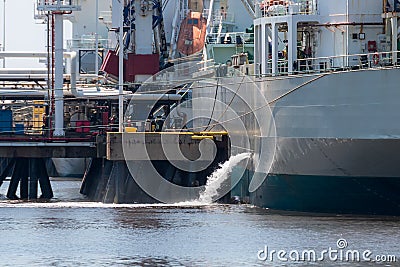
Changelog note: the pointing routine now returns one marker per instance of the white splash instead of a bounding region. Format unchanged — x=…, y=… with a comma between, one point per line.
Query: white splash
x=215, y=180
x=63, y=205
x=206, y=198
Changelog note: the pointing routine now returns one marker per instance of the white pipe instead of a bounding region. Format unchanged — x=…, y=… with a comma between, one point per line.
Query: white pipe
x=4, y=31
x=394, y=39
x=25, y=76
x=210, y=11
x=121, y=69
x=208, y=30
x=28, y=54
x=96, y=60
x=22, y=92
x=25, y=54
x=23, y=71
x=58, y=77
x=17, y=54
x=274, y=49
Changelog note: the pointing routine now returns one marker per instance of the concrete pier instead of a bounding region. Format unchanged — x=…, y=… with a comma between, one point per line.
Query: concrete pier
x=24, y=160
x=185, y=159
x=110, y=180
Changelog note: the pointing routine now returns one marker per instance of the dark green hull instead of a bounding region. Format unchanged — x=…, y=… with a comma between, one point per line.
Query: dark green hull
x=329, y=194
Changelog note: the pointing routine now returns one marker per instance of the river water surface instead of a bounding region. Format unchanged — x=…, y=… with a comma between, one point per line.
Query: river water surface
x=71, y=231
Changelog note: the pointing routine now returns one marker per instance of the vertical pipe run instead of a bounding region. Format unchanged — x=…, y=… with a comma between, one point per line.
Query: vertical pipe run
x=53, y=33
x=346, y=36
x=48, y=67
x=394, y=24
x=264, y=48
x=96, y=60
x=292, y=44
x=121, y=69
x=274, y=38
x=4, y=31
x=59, y=82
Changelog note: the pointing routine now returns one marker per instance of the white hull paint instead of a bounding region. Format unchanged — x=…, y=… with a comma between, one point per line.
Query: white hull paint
x=337, y=157
x=342, y=124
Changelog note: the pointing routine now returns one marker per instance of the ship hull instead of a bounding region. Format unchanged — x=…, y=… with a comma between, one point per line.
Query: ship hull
x=337, y=144
x=329, y=194
x=342, y=176
x=337, y=141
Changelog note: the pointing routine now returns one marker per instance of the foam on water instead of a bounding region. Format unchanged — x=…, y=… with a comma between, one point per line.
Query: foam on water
x=215, y=180
x=73, y=204
x=206, y=198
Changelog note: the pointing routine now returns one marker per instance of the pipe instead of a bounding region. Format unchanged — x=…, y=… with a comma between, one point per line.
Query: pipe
x=121, y=70
x=4, y=31
x=18, y=54
x=51, y=88
x=25, y=77
x=23, y=71
x=22, y=92
x=96, y=63
x=58, y=76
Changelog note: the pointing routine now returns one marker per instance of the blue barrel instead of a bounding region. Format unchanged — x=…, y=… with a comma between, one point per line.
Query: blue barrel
x=6, y=121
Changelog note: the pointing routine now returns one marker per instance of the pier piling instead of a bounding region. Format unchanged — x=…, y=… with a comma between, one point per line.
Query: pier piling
x=27, y=172
x=109, y=180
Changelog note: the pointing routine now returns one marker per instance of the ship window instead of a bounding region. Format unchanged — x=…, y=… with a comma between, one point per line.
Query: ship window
x=195, y=21
x=190, y=21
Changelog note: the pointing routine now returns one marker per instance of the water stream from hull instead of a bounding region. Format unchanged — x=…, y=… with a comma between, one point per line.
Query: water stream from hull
x=216, y=179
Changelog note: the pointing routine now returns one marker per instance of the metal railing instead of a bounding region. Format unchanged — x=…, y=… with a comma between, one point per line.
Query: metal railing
x=88, y=43
x=270, y=8
x=218, y=16
x=238, y=38
x=58, y=5
x=336, y=63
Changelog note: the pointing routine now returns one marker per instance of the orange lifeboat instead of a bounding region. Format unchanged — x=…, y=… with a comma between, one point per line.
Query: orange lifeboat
x=192, y=34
